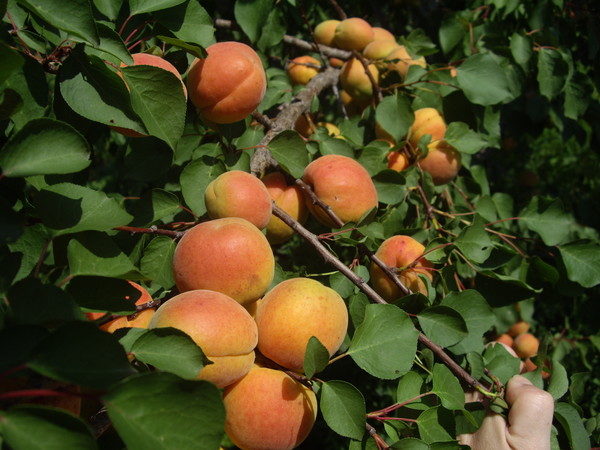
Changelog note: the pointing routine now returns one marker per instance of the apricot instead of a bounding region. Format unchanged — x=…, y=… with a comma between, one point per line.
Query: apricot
x=336, y=62
x=301, y=74
x=290, y=199
x=404, y=61
x=238, y=194
x=146, y=59
x=354, y=106
x=268, y=409
x=325, y=31
x=141, y=320
x=343, y=184
x=526, y=345
x=518, y=328
x=530, y=366
x=292, y=312
x=381, y=34
x=355, y=80
x=398, y=252
x=505, y=339
x=219, y=325
x=380, y=49
x=353, y=34
x=228, y=84
x=427, y=121
x=397, y=161
x=442, y=162
x=228, y=255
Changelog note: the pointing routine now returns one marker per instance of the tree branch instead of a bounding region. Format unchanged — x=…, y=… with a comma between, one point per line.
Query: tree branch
x=152, y=230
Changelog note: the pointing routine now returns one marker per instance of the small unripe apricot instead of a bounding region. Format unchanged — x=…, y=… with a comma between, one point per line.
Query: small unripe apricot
x=397, y=252
x=518, y=328
x=228, y=84
x=404, y=61
x=238, y=194
x=526, y=345
x=268, y=409
x=140, y=320
x=290, y=199
x=292, y=312
x=228, y=255
x=442, y=162
x=343, y=184
x=301, y=74
x=380, y=49
x=355, y=80
x=219, y=325
x=381, y=34
x=505, y=339
x=397, y=161
x=353, y=34
x=325, y=31
x=427, y=121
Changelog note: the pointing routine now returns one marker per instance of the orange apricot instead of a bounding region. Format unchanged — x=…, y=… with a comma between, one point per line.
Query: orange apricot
x=325, y=31
x=290, y=199
x=354, y=106
x=336, y=62
x=526, y=345
x=379, y=49
x=238, y=194
x=343, y=184
x=442, y=162
x=228, y=255
x=228, y=84
x=404, y=61
x=300, y=73
x=219, y=325
x=397, y=161
x=381, y=34
x=355, y=80
x=505, y=339
x=518, y=328
x=427, y=121
x=353, y=34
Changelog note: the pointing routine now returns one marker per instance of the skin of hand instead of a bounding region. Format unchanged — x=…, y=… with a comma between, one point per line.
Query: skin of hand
x=527, y=427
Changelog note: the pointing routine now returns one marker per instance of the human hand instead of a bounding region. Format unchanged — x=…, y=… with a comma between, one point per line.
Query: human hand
x=527, y=426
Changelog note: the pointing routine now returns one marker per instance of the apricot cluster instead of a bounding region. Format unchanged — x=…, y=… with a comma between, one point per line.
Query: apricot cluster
x=524, y=345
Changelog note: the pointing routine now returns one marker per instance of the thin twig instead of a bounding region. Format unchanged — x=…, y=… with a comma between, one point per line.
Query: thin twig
x=152, y=230
x=377, y=96
x=338, y=9
x=263, y=120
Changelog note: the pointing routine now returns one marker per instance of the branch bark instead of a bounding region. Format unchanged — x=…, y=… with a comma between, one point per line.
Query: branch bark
x=152, y=230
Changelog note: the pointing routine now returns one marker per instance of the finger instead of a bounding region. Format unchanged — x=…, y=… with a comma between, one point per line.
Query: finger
x=530, y=415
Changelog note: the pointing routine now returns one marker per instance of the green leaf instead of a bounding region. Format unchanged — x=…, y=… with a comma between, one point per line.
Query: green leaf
x=162, y=411
x=409, y=387
x=95, y=92
x=395, y=115
x=79, y=353
x=69, y=208
x=463, y=139
x=451, y=32
x=443, y=325
x=251, y=16
x=17, y=343
x=152, y=206
x=111, y=43
x=501, y=363
x=32, y=302
x=571, y=422
x=447, y=387
x=385, y=343
x=577, y=95
x=502, y=290
x=436, y=425
x=548, y=219
x=146, y=6
x=194, y=50
x=343, y=408
x=189, y=22
x=391, y=187
x=484, y=66
x=474, y=242
x=29, y=246
x=110, y=8
x=11, y=61
x=316, y=357
x=582, y=261
x=521, y=48
x=559, y=381
x=478, y=317
x=194, y=179
x=156, y=262
x=170, y=350
x=552, y=72
x=74, y=16
x=335, y=146
x=154, y=91
x=38, y=427
x=289, y=150
x=104, y=294
x=95, y=253
x=43, y=147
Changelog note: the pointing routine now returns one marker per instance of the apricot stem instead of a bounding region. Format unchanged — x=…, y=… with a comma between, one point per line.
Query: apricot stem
x=334, y=359
x=396, y=406
x=152, y=230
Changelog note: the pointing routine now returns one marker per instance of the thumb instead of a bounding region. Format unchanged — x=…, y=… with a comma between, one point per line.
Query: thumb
x=530, y=415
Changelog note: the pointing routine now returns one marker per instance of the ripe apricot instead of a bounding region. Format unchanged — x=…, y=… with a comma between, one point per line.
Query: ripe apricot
x=268, y=409
x=292, y=312
x=353, y=34
x=228, y=84
x=336, y=62
x=397, y=161
x=404, y=61
x=380, y=49
x=238, y=194
x=343, y=184
x=228, y=255
x=505, y=339
x=442, y=162
x=219, y=325
x=325, y=31
x=355, y=80
x=427, y=121
x=300, y=73
x=140, y=320
x=530, y=366
x=397, y=252
x=290, y=199
x=381, y=34
x=518, y=328
x=526, y=345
